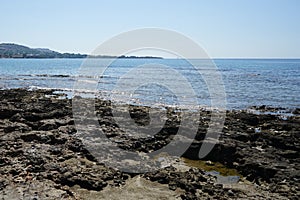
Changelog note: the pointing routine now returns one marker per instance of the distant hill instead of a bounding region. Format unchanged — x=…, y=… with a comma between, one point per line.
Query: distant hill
x=10, y=50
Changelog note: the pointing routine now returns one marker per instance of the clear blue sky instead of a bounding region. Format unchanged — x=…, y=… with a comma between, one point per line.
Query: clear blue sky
x=225, y=28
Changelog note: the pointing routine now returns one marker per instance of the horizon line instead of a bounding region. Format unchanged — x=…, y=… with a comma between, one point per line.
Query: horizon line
x=217, y=57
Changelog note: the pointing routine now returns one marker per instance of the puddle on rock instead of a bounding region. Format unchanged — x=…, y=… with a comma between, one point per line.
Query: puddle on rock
x=224, y=174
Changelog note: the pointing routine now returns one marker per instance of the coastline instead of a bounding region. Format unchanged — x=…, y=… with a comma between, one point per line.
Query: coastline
x=41, y=156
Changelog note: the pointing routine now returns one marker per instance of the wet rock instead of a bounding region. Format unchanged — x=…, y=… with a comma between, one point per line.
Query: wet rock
x=296, y=111
x=249, y=119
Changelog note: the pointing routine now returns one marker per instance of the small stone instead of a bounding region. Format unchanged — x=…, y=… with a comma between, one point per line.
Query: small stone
x=209, y=163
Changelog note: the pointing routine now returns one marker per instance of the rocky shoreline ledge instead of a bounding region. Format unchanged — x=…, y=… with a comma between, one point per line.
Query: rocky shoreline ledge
x=41, y=158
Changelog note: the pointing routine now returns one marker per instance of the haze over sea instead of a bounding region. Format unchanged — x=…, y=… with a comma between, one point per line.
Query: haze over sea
x=248, y=82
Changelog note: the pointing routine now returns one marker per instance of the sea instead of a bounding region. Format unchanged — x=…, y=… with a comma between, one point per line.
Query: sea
x=245, y=82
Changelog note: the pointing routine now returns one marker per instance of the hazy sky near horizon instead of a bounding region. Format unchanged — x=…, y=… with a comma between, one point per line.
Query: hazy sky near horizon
x=224, y=28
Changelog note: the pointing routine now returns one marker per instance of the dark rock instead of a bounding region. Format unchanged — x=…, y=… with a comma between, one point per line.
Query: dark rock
x=296, y=111
x=7, y=113
x=15, y=126
x=37, y=143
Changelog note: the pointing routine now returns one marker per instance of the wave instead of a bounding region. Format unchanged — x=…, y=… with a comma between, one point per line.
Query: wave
x=67, y=76
x=46, y=75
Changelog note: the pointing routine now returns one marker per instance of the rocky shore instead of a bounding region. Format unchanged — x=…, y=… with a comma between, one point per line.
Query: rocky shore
x=41, y=157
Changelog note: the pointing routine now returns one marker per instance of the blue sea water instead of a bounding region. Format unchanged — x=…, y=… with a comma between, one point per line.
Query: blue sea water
x=247, y=82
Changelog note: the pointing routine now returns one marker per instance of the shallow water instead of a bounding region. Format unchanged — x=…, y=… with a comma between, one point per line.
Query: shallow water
x=223, y=174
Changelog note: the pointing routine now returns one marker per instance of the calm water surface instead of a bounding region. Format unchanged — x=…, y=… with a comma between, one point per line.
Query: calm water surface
x=247, y=82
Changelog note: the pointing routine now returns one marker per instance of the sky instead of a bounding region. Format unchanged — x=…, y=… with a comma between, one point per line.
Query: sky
x=224, y=28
